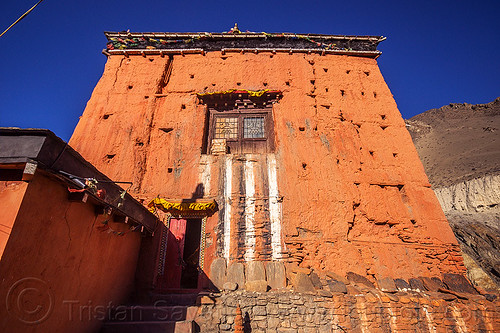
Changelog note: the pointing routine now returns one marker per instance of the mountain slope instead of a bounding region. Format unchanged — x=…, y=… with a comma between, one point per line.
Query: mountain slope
x=459, y=145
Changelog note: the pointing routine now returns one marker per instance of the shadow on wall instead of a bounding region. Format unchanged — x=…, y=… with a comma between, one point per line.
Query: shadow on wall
x=199, y=192
x=246, y=323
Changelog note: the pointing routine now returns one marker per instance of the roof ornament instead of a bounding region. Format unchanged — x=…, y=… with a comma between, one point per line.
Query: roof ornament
x=235, y=29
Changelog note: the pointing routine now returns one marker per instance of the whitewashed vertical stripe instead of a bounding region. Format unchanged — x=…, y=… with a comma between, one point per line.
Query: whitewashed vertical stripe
x=430, y=320
x=393, y=324
x=249, y=210
x=228, y=177
x=274, y=207
x=461, y=326
x=361, y=309
x=204, y=172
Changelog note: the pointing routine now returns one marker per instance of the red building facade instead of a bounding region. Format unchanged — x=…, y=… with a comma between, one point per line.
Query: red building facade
x=296, y=139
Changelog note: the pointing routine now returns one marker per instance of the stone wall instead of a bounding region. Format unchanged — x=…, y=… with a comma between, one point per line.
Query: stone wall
x=353, y=304
x=274, y=297
x=368, y=311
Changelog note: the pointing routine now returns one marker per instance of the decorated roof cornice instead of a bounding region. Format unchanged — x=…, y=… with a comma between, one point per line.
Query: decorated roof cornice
x=235, y=40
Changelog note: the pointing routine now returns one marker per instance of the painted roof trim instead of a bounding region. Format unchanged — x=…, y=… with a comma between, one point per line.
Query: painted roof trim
x=174, y=43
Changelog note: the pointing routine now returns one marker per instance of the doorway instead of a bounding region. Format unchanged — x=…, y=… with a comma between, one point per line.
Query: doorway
x=181, y=267
x=191, y=255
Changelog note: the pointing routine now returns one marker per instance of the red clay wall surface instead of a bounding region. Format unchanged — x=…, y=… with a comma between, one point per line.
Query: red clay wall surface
x=58, y=272
x=11, y=196
x=350, y=195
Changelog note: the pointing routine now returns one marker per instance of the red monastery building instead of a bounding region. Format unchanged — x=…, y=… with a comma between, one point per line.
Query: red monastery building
x=296, y=138
x=284, y=182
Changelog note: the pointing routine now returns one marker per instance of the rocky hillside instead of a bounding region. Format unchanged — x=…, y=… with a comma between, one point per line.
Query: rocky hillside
x=459, y=145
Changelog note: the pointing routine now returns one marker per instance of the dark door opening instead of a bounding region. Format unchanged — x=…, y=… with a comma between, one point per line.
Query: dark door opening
x=181, y=265
x=191, y=256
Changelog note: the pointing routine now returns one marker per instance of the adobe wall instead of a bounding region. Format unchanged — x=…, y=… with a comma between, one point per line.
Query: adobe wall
x=11, y=196
x=71, y=272
x=343, y=191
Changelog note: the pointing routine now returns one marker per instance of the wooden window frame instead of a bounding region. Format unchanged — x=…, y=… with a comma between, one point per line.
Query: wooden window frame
x=240, y=114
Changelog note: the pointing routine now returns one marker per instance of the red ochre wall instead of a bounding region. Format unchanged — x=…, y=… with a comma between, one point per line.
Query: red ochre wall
x=58, y=272
x=355, y=195
x=11, y=196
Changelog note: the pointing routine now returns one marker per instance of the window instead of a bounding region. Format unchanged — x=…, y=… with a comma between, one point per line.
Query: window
x=253, y=127
x=240, y=131
x=226, y=128
x=239, y=121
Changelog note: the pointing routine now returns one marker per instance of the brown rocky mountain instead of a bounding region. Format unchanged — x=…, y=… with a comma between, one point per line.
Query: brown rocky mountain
x=459, y=145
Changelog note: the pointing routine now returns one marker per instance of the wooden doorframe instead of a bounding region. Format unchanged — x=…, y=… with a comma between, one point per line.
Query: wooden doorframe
x=162, y=252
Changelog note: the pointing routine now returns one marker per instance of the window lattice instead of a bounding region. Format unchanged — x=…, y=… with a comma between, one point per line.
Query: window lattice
x=253, y=128
x=226, y=128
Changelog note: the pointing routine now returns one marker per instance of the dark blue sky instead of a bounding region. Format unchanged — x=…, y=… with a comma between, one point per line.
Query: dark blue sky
x=436, y=52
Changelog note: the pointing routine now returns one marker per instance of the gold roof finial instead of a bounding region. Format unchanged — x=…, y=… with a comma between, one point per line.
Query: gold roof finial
x=235, y=29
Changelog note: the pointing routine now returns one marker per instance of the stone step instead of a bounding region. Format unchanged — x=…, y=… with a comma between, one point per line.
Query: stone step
x=157, y=312
x=187, y=326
